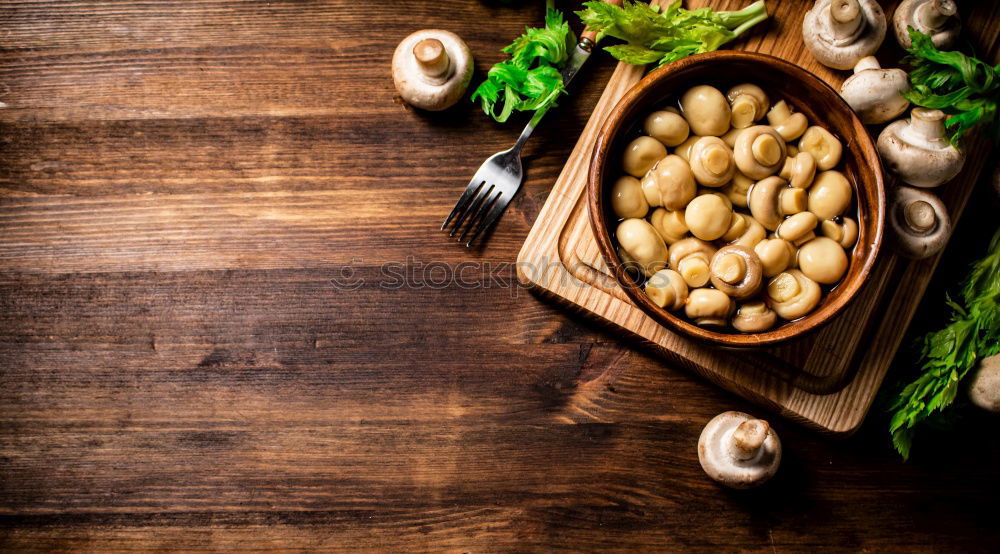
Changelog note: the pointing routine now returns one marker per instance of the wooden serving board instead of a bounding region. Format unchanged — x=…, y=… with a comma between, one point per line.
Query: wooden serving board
x=826, y=381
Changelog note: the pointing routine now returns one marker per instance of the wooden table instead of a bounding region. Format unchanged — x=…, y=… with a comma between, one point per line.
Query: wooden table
x=202, y=345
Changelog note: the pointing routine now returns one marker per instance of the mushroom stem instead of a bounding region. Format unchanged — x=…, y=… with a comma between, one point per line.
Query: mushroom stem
x=934, y=15
x=926, y=123
x=866, y=63
x=432, y=58
x=919, y=215
x=748, y=437
x=845, y=18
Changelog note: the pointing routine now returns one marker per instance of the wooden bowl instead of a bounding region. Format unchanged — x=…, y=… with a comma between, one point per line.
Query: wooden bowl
x=807, y=94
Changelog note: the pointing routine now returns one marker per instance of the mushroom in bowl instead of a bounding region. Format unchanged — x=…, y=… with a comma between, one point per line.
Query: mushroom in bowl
x=814, y=195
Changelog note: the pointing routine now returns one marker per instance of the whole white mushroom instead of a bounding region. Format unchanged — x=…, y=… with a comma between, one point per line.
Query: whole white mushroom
x=838, y=33
x=738, y=450
x=917, y=150
x=875, y=93
x=431, y=69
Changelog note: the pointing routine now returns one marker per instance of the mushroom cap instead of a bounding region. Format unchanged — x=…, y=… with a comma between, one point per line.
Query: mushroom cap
x=984, y=390
x=825, y=148
x=918, y=152
x=823, y=260
x=736, y=271
x=440, y=77
x=792, y=295
x=841, y=44
x=641, y=242
x=759, y=152
x=641, y=155
x=919, y=222
x=667, y=289
x=711, y=162
x=937, y=18
x=627, y=198
x=669, y=183
x=830, y=194
x=739, y=451
x=763, y=201
x=708, y=216
x=708, y=307
x=754, y=317
x=706, y=110
x=875, y=93
x=668, y=127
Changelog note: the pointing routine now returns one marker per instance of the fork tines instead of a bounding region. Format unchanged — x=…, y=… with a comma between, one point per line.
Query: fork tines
x=477, y=210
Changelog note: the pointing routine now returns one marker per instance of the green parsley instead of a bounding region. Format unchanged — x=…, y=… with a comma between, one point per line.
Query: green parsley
x=655, y=36
x=948, y=354
x=966, y=89
x=530, y=80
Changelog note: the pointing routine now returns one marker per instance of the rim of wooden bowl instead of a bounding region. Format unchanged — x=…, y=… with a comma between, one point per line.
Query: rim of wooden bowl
x=825, y=107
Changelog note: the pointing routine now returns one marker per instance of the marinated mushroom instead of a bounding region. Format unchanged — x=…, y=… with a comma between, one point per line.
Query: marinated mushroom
x=711, y=162
x=798, y=228
x=739, y=451
x=431, y=69
x=823, y=260
x=670, y=128
x=830, y=194
x=838, y=33
x=754, y=317
x=627, y=199
x=937, y=18
x=799, y=170
x=875, y=93
x=919, y=222
x=824, y=147
x=669, y=184
x=788, y=124
x=771, y=199
x=748, y=103
x=736, y=271
x=706, y=110
x=643, y=245
x=918, y=152
x=737, y=189
x=708, y=217
x=759, y=152
x=641, y=154
x=669, y=224
x=690, y=258
x=667, y=289
x=753, y=233
x=792, y=295
x=843, y=230
x=775, y=255
x=709, y=307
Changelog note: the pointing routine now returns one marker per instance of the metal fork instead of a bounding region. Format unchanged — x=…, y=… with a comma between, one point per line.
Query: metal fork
x=499, y=178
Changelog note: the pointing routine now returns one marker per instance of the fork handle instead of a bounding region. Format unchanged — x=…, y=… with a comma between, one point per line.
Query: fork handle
x=592, y=35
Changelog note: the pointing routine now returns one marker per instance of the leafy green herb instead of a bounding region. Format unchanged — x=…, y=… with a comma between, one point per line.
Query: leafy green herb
x=530, y=80
x=966, y=89
x=669, y=35
x=948, y=354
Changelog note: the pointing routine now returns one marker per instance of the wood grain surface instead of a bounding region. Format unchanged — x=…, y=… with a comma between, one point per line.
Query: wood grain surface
x=182, y=187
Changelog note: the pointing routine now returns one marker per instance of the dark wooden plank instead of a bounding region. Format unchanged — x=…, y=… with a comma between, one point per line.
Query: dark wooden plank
x=180, y=182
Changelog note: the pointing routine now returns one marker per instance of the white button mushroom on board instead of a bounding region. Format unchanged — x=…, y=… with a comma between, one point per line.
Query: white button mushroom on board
x=431, y=69
x=937, y=18
x=919, y=222
x=875, y=93
x=738, y=450
x=984, y=389
x=838, y=33
x=918, y=152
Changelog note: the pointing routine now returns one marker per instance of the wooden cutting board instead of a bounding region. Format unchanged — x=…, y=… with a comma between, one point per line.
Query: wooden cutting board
x=826, y=381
